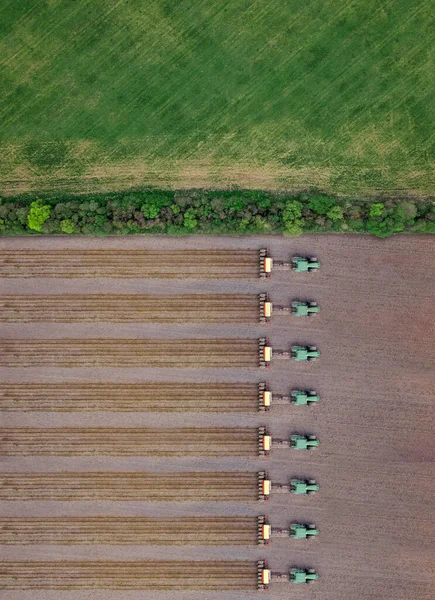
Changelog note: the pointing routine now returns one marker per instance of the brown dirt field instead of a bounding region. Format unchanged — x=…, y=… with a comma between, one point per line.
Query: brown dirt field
x=130, y=441
x=129, y=397
x=127, y=352
x=171, y=531
x=129, y=575
x=131, y=308
x=189, y=486
x=375, y=421
x=64, y=264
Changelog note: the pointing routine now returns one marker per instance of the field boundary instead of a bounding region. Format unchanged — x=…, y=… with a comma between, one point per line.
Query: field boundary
x=211, y=211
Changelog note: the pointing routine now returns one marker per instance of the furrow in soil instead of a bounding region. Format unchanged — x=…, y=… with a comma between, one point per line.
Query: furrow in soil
x=129, y=397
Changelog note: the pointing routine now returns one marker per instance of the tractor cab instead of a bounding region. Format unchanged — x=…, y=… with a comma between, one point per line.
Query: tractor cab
x=305, y=353
x=304, y=398
x=303, y=487
x=304, y=309
x=305, y=264
x=303, y=575
x=303, y=442
x=303, y=532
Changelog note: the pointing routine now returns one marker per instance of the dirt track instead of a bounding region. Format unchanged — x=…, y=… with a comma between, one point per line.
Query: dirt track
x=129, y=397
x=138, y=575
x=132, y=441
x=172, y=531
x=126, y=352
x=375, y=419
x=130, y=308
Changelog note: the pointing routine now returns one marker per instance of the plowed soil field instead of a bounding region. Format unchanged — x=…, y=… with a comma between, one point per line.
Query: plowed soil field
x=129, y=308
x=65, y=264
x=194, y=486
x=231, y=352
x=178, y=514
x=137, y=575
x=129, y=397
x=131, y=441
x=171, y=531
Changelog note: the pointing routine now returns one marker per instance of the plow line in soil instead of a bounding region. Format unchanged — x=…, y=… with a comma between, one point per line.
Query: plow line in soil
x=129, y=575
x=214, y=486
x=110, y=352
x=171, y=531
x=132, y=308
x=132, y=441
x=68, y=264
x=129, y=397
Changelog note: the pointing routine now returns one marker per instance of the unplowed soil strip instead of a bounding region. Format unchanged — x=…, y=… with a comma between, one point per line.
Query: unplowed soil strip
x=172, y=531
x=68, y=264
x=129, y=575
x=129, y=397
x=132, y=308
x=111, y=352
x=132, y=441
x=203, y=486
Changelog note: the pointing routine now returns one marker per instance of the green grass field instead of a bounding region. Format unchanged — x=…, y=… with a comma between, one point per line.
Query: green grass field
x=107, y=94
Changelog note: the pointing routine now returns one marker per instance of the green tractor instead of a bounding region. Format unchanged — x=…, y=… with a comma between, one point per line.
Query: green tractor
x=302, y=308
x=303, y=575
x=303, y=486
x=303, y=442
x=304, y=531
x=305, y=353
x=305, y=264
x=304, y=398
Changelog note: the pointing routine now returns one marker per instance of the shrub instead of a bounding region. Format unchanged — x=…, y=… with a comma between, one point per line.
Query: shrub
x=291, y=217
x=67, y=226
x=335, y=213
x=153, y=204
x=189, y=220
x=321, y=204
x=38, y=214
x=376, y=209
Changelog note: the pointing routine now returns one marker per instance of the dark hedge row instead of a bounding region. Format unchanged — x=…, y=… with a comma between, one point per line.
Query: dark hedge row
x=212, y=211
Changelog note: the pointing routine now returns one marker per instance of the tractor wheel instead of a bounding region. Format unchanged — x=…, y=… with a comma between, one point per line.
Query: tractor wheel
x=312, y=525
x=311, y=481
x=313, y=348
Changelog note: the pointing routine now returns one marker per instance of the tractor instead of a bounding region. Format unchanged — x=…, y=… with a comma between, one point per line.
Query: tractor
x=303, y=575
x=300, y=531
x=305, y=264
x=303, y=442
x=301, y=308
x=305, y=353
x=303, y=486
x=304, y=398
